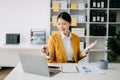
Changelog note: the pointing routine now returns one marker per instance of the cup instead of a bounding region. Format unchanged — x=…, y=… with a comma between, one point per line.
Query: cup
x=104, y=64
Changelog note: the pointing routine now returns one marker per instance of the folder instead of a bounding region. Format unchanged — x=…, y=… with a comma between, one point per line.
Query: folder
x=82, y=18
x=73, y=6
x=81, y=6
x=56, y=6
x=63, y=5
x=54, y=22
x=74, y=22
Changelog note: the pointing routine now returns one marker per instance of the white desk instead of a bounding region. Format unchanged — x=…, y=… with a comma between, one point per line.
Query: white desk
x=111, y=74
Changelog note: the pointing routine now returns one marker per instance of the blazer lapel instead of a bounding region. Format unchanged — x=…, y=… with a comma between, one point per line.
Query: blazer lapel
x=73, y=45
x=62, y=47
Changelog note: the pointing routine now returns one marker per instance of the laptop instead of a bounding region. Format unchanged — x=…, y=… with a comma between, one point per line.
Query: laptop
x=36, y=63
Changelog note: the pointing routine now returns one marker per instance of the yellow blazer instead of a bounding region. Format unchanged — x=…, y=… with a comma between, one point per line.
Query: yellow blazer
x=57, y=50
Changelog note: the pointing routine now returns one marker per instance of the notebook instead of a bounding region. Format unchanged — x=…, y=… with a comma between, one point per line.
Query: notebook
x=69, y=69
x=35, y=63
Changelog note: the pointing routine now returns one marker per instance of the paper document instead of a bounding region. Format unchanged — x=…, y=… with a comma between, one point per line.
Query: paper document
x=90, y=70
x=69, y=68
x=91, y=45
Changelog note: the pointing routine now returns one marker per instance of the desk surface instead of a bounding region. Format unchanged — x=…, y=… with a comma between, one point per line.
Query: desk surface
x=111, y=74
x=20, y=46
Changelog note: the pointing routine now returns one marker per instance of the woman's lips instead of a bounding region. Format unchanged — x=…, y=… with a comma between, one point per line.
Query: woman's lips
x=62, y=29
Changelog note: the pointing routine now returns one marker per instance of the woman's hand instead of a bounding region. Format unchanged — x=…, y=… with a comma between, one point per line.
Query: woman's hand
x=86, y=50
x=45, y=50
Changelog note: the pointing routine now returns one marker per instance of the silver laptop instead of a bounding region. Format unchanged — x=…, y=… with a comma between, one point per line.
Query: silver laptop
x=35, y=63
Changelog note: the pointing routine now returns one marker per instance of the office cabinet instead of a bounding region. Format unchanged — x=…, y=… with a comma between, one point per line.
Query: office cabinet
x=91, y=20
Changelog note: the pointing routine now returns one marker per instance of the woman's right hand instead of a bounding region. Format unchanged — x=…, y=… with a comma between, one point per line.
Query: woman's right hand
x=45, y=50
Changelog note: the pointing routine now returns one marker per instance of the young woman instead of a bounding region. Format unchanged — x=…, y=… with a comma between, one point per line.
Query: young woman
x=63, y=46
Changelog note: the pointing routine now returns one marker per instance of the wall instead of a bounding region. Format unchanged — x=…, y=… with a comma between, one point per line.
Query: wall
x=19, y=16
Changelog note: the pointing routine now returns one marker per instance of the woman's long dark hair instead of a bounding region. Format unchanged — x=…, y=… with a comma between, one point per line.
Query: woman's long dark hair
x=65, y=16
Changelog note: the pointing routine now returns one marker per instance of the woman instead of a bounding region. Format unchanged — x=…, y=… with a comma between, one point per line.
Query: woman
x=63, y=46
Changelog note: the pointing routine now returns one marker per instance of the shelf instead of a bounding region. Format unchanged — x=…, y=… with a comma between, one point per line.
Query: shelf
x=107, y=23
x=114, y=22
x=61, y=9
x=96, y=36
x=78, y=9
x=98, y=9
x=116, y=9
x=98, y=22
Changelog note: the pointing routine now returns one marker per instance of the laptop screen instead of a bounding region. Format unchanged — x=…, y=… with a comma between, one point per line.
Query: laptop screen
x=36, y=63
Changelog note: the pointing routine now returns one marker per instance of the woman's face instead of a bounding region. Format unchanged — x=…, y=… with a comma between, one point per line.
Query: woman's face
x=63, y=26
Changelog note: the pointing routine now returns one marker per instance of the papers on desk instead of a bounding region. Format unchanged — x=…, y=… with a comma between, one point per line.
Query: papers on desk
x=90, y=70
x=84, y=69
x=69, y=68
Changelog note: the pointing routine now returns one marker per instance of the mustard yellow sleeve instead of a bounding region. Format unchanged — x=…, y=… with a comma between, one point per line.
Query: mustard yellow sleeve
x=51, y=47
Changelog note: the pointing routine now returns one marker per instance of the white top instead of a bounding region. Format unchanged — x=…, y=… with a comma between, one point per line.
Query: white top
x=68, y=46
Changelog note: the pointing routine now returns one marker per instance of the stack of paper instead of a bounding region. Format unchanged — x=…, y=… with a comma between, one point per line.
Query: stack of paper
x=79, y=18
x=79, y=31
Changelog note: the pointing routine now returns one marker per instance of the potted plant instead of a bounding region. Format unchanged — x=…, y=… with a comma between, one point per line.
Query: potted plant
x=114, y=48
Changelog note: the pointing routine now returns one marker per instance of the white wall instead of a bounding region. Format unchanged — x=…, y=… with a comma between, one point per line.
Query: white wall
x=19, y=16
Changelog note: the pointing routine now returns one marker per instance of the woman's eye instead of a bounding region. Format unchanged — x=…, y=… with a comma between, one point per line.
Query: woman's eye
x=64, y=24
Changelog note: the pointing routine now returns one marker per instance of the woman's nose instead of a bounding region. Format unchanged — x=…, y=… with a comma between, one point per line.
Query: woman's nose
x=61, y=26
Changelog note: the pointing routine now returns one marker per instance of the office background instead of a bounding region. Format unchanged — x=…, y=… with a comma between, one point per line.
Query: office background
x=19, y=16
